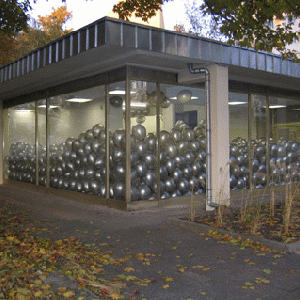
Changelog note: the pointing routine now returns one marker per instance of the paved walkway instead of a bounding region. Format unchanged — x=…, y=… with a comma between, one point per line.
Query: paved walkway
x=228, y=271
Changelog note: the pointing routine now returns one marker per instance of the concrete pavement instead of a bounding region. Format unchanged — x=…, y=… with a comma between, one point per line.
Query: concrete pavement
x=227, y=272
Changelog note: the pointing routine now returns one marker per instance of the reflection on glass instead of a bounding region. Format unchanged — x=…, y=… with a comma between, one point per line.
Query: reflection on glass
x=19, y=139
x=77, y=141
x=284, y=141
x=182, y=141
x=239, y=153
x=117, y=153
x=143, y=141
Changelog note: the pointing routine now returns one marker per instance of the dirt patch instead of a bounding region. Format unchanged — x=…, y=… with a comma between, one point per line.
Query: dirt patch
x=257, y=221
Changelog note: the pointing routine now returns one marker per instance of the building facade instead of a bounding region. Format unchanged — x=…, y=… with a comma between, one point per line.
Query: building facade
x=134, y=115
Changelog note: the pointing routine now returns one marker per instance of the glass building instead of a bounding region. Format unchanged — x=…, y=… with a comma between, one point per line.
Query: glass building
x=136, y=116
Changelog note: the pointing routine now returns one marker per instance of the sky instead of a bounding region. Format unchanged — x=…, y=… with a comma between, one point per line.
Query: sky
x=86, y=11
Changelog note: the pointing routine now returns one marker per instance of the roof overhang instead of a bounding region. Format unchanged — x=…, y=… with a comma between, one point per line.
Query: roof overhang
x=109, y=44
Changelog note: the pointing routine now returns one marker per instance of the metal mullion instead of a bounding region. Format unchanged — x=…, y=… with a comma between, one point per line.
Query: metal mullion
x=250, y=114
x=47, y=142
x=128, y=140
x=107, y=149
x=158, y=143
x=37, y=175
x=268, y=140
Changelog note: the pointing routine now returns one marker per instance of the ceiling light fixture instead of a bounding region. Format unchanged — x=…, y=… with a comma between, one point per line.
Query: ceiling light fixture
x=79, y=100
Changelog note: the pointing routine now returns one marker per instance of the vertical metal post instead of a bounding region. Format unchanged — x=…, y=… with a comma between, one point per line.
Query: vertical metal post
x=47, y=142
x=250, y=114
x=128, y=139
x=268, y=139
x=2, y=143
x=158, y=141
x=107, y=150
x=37, y=175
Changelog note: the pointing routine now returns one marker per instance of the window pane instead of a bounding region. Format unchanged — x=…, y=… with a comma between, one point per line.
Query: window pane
x=76, y=140
x=19, y=140
x=239, y=152
x=116, y=126
x=284, y=140
x=182, y=140
x=143, y=141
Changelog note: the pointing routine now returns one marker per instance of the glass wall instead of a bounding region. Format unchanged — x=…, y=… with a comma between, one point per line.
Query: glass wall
x=143, y=156
x=182, y=140
x=272, y=125
x=284, y=140
x=76, y=123
x=239, y=152
x=117, y=140
x=19, y=142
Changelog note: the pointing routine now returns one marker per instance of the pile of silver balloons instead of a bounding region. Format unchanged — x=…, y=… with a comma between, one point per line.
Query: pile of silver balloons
x=79, y=164
x=284, y=164
x=182, y=166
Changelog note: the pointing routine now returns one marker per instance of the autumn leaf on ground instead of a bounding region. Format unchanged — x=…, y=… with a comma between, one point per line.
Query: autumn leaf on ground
x=129, y=269
x=166, y=286
x=169, y=279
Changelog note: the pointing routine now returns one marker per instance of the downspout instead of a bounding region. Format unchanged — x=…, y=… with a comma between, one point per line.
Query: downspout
x=205, y=71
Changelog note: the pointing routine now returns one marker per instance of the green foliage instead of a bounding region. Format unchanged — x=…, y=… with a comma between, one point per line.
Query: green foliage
x=39, y=33
x=13, y=16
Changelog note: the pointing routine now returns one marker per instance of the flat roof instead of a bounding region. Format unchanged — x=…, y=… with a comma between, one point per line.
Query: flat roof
x=111, y=43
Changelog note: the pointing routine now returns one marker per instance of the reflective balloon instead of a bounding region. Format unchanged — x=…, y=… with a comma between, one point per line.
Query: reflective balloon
x=139, y=132
x=116, y=101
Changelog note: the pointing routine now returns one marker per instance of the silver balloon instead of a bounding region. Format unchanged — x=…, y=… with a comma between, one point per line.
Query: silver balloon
x=171, y=150
x=184, y=96
x=163, y=171
x=97, y=129
x=170, y=165
x=99, y=163
x=180, y=161
x=188, y=172
x=150, y=161
x=151, y=142
x=190, y=158
x=135, y=194
x=182, y=147
x=94, y=187
x=150, y=179
x=177, y=175
x=176, y=135
x=188, y=135
x=164, y=138
x=89, y=136
x=183, y=186
x=116, y=101
x=119, y=138
x=141, y=148
x=170, y=185
x=119, y=190
x=139, y=132
x=176, y=193
x=145, y=192
x=119, y=172
x=118, y=156
x=141, y=169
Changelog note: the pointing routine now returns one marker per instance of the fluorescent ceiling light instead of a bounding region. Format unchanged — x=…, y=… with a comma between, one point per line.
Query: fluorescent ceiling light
x=79, y=100
x=137, y=104
x=192, y=98
x=51, y=106
x=236, y=103
x=277, y=106
x=120, y=92
x=24, y=110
